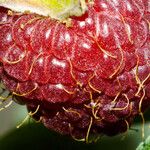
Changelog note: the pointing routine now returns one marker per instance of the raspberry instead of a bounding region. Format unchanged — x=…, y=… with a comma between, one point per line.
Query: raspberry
x=90, y=78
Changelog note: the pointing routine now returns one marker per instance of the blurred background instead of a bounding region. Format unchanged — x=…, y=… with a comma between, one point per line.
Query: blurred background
x=34, y=136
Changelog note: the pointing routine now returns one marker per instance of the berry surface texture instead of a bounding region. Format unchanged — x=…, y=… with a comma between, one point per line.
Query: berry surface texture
x=84, y=76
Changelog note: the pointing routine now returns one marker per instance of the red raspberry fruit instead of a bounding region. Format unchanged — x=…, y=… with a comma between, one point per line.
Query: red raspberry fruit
x=90, y=78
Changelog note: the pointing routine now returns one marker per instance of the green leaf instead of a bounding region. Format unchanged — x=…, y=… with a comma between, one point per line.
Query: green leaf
x=58, y=9
x=144, y=145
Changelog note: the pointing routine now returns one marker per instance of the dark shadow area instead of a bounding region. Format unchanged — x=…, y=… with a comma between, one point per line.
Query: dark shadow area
x=34, y=136
x=37, y=137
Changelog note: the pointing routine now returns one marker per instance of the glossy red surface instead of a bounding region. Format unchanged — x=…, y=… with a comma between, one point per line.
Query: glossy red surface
x=94, y=75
